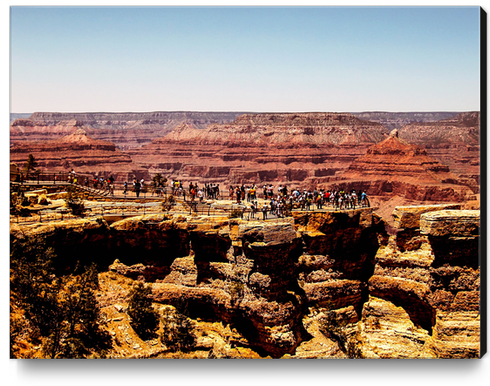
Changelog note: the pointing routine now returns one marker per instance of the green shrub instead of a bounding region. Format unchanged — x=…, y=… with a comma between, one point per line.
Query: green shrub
x=178, y=331
x=62, y=311
x=335, y=328
x=236, y=213
x=144, y=319
x=168, y=203
x=237, y=291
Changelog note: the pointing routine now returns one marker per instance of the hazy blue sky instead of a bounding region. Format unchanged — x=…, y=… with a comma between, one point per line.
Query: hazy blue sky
x=71, y=59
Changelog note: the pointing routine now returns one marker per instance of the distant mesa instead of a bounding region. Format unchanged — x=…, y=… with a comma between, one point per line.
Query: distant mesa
x=420, y=161
x=80, y=138
x=290, y=148
x=125, y=130
x=462, y=129
x=454, y=141
x=76, y=150
x=395, y=157
x=394, y=167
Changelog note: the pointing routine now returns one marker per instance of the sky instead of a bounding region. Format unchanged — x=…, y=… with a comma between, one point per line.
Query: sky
x=257, y=59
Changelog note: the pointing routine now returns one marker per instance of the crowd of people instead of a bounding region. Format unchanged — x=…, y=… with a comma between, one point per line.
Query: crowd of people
x=102, y=183
x=275, y=202
x=305, y=199
x=282, y=201
x=194, y=192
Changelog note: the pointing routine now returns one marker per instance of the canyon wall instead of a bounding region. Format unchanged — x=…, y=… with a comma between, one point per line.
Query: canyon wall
x=411, y=295
x=126, y=130
x=454, y=141
x=395, y=120
x=289, y=148
x=394, y=167
x=429, y=162
x=76, y=151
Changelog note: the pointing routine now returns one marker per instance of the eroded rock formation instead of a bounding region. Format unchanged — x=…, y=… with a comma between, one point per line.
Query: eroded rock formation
x=454, y=141
x=75, y=150
x=430, y=268
x=288, y=148
x=396, y=167
x=125, y=130
x=413, y=294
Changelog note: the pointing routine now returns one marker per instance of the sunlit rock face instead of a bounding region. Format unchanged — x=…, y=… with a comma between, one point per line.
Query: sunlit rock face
x=414, y=294
x=455, y=142
x=430, y=268
x=292, y=149
x=78, y=151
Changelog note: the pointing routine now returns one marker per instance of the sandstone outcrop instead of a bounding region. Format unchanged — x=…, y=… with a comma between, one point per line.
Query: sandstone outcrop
x=314, y=285
x=76, y=150
x=453, y=141
x=431, y=269
x=255, y=148
x=240, y=272
x=125, y=130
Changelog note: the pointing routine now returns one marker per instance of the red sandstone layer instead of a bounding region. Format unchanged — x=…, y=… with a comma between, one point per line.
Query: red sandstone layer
x=75, y=151
x=286, y=148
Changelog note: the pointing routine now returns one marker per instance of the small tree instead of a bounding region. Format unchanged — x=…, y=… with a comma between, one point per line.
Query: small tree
x=335, y=328
x=168, y=203
x=178, y=330
x=159, y=180
x=76, y=331
x=74, y=201
x=29, y=165
x=144, y=319
x=63, y=311
x=237, y=291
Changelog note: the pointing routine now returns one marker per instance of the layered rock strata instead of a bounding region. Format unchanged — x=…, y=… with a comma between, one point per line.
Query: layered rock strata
x=126, y=130
x=78, y=151
x=453, y=141
x=431, y=269
x=240, y=272
x=414, y=294
x=288, y=148
x=26, y=130
x=396, y=167
x=395, y=120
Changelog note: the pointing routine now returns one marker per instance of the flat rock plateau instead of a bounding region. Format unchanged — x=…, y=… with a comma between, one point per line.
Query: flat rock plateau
x=398, y=279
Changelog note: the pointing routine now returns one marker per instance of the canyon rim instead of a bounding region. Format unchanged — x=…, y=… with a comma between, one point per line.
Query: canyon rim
x=101, y=271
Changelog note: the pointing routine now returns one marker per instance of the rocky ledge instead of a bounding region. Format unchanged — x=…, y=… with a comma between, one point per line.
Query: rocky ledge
x=327, y=284
x=431, y=269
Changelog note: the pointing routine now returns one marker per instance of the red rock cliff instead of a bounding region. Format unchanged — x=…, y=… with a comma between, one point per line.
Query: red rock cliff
x=288, y=148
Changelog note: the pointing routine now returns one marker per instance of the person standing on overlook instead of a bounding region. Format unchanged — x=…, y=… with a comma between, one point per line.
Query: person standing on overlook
x=264, y=211
x=137, y=188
